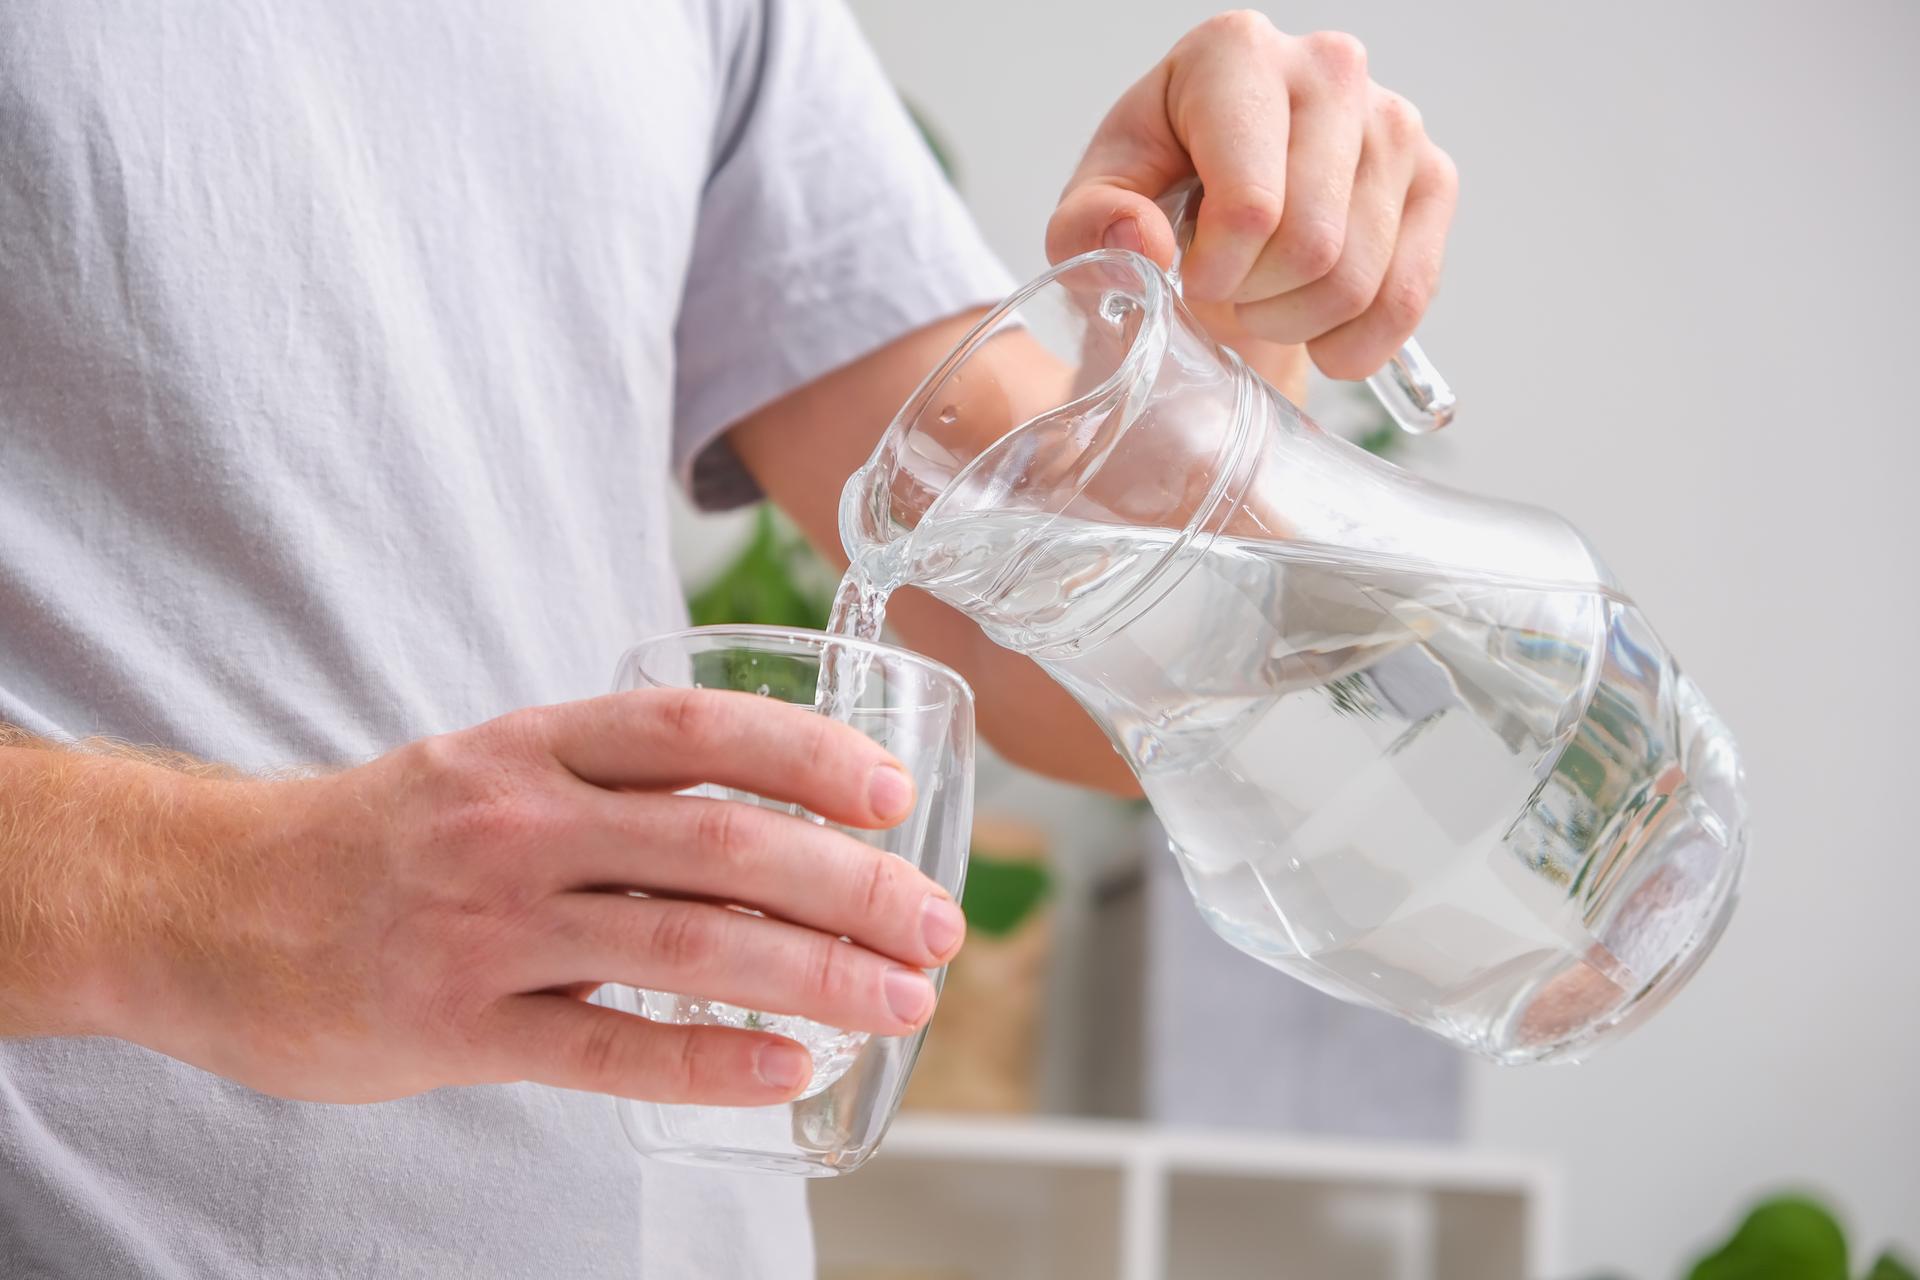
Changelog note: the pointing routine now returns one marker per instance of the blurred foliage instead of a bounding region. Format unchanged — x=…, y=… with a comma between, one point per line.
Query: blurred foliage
x=777, y=581
x=790, y=678
x=1785, y=1237
x=1001, y=892
x=1888, y=1267
x=936, y=142
x=1791, y=1237
x=1381, y=440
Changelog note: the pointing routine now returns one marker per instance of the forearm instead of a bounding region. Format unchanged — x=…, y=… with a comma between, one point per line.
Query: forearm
x=107, y=859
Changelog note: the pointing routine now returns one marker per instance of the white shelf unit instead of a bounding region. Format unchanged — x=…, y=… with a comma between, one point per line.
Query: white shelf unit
x=976, y=1198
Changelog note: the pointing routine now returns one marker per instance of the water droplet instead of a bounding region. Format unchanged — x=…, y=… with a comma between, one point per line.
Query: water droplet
x=764, y=690
x=698, y=685
x=949, y=415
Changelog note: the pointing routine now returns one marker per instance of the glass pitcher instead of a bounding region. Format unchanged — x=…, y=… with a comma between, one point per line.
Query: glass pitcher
x=1412, y=746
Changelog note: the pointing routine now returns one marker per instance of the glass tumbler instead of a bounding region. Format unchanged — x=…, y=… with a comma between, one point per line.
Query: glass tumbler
x=922, y=713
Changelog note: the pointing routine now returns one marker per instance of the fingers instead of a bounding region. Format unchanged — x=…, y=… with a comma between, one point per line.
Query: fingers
x=554, y=1040
x=1326, y=205
x=1278, y=304
x=728, y=851
x=1309, y=171
x=1228, y=100
x=1278, y=174
x=722, y=954
x=670, y=738
x=1358, y=348
x=1109, y=202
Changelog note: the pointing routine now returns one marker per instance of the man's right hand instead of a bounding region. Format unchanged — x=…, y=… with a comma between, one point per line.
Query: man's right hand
x=436, y=917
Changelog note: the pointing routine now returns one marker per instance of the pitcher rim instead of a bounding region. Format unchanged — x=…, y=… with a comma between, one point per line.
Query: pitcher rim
x=1158, y=291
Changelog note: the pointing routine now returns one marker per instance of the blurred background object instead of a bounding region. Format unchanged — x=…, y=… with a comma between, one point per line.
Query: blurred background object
x=1679, y=308
x=983, y=1053
x=1793, y=1238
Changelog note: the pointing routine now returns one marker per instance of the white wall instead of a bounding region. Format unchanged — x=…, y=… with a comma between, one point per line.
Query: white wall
x=1679, y=308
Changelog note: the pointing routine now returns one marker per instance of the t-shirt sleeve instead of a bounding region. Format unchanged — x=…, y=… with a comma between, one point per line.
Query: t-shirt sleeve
x=826, y=231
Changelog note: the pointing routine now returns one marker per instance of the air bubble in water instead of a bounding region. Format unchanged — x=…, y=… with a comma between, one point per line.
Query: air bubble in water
x=764, y=690
x=949, y=416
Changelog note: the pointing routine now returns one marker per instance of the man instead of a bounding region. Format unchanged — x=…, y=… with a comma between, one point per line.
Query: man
x=345, y=353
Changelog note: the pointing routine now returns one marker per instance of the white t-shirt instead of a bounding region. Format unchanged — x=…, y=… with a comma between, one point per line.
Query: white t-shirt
x=346, y=349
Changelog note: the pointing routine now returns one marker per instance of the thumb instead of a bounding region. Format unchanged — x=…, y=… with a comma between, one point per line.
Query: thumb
x=1103, y=215
x=1134, y=156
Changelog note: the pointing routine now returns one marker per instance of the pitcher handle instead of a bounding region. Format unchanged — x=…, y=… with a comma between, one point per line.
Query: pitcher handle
x=1408, y=387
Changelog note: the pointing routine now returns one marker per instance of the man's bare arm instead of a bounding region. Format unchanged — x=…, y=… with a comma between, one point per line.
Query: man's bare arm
x=434, y=917
x=89, y=839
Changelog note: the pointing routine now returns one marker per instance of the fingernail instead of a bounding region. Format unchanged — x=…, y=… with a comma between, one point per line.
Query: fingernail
x=941, y=925
x=783, y=1066
x=1125, y=234
x=890, y=792
x=909, y=994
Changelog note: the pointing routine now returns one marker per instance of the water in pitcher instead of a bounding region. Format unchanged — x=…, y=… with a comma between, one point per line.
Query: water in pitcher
x=1489, y=805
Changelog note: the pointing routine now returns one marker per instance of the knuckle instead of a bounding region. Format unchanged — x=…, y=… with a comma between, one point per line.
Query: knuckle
x=1398, y=119
x=723, y=833
x=877, y=889
x=1347, y=294
x=518, y=735
x=476, y=794
x=451, y=1002
x=1239, y=25
x=1251, y=209
x=439, y=757
x=1313, y=249
x=1340, y=56
x=599, y=1053
x=1403, y=300
x=687, y=1071
x=694, y=717
x=832, y=971
x=1445, y=174
x=493, y=818
x=683, y=937
x=503, y=902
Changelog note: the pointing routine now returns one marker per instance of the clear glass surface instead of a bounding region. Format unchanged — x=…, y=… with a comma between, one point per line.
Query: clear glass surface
x=1412, y=746
x=922, y=713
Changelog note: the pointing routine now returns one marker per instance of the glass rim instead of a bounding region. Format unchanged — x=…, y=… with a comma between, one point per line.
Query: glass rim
x=796, y=639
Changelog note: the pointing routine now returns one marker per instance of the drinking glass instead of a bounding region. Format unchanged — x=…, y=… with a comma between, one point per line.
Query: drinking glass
x=922, y=713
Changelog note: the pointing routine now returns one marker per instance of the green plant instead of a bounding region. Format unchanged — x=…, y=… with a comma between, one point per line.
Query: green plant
x=1001, y=892
x=936, y=142
x=1791, y=1237
x=776, y=581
